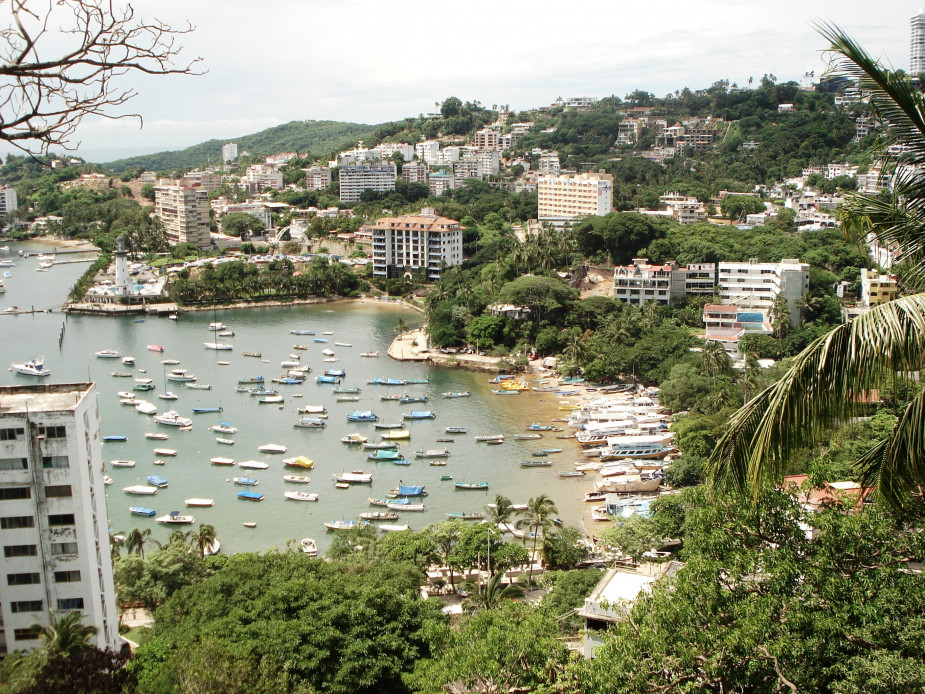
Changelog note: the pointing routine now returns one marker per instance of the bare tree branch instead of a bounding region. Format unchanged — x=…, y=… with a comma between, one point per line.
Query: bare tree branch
x=60, y=61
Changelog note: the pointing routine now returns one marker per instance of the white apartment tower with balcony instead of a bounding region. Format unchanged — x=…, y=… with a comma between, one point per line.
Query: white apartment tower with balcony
x=229, y=152
x=754, y=286
x=413, y=242
x=8, y=200
x=355, y=179
x=53, y=522
x=569, y=197
x=184, y=212
x=917, y=45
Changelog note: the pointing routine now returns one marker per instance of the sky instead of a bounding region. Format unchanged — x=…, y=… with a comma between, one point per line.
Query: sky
x=367, y=61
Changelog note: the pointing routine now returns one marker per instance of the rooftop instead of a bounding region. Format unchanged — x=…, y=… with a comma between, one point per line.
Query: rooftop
x=52, y=397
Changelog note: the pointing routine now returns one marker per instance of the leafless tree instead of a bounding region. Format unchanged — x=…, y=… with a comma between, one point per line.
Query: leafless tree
x=60, y=61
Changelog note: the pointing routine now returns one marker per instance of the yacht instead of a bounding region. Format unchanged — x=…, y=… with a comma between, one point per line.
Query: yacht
x=33, y=367
x=172, y=418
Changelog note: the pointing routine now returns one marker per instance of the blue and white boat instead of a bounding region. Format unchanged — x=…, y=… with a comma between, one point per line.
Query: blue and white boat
x=362, y=416
x=417, y=380
x=142, y=511
x=115, y=437
x=301, y=332
x=320, y=340
x=250, y=496
x=335, y=372
x=157, y=481
x=419, y=414
x=245, y=481
x=326, y=379
x=410, y=399
x=386, y=382
x=33, y=367
x=205, y=410
x=409, y=490
x=345, y=524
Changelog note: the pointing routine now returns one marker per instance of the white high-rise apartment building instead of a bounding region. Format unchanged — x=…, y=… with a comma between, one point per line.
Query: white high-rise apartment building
x=317, y=177
x=229, y=152
x=917, y=45
x=184, y=212
x=568, y=197
x=416, y=241
x=8, y=200
x=53, y=522
x=355, y=179
x=756, y=286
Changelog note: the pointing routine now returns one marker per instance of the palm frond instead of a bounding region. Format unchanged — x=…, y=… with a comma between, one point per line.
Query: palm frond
x=821, y=388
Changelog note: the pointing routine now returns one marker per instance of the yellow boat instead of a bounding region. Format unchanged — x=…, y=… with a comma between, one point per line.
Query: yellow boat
x=514, y=385
x=300, y=462
x=396, y=435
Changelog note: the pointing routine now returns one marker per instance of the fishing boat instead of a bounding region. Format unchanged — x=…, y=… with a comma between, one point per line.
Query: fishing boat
x=301, y=332
x=320, y=340
x=226, y=333
x=382, y=445
x=206, y=410
x=470, y=485
x=155, y=348
x=410, y=399
x=463, y=394
x=256, y=355
x=490, y=437
x=199, y=386
x=122, y=374
x=419, y=414
x=536, y=426
x=371, y=355
x=122, y=463
x=288, y=381
x=273, y=448
x=157, y=481
x=309, y=547
x=527, y=437
x=433, y=453
x=446, y=478
x=309, y=423
x=506, y=392
x=220, y=460
x=140, y=490
x=260, y=390
x=571, y=473
x=300, y=496
x=218, y=346
x=180, y=376
x=456, y=430
x=114, y=438
x=337, y=373
x=344, y=524
x=463, y=515
x=379, y=515
x=362, y=416
x=299, y=461
x=388, y=425
x=548, y=451
x=245, y=481
x=271, y=400
x=322, y=379
x=224, y=442
x=535, y=463
x=313, y=409
x=355, y=477
x=165, y=452
x=172, y=418
x=300, y=347
x=33, y=367
x=199, y=502
x=396, y=435
x=107, y=354
x=168, y=395
x=384, y=455
x=297, y=479
x=392, y=505
x=405, y=490
x=249, y=524
x=250, y=380
x=347, y=391
x=392, y=397
x=250, y=496
x=386, y=382
x=216, y=325
x=354, y=438
x=347, y=398
x=142, y=511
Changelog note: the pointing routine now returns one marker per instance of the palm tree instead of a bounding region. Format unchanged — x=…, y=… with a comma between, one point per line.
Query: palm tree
x=715, y=360
x=136, y=540
x=537, y=516
x=501, y=511
x=116, y=541
x=204, y=539
x=486, y=596
x=401, y=327
x=824, y=382
x=66, y=635
x=180, y=537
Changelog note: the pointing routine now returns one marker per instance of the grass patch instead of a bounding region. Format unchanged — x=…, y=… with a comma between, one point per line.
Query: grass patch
x=138, y=634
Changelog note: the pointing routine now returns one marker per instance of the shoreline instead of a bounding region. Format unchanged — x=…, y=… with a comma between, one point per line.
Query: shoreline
x=56, y=241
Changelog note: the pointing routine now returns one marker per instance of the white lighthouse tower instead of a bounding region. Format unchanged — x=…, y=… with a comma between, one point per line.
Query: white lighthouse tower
x=123, y=281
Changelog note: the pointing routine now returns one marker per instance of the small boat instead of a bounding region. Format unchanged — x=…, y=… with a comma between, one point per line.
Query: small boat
x=122, y=463
x=299, y=462
x=224, y=428
x=548, y=451
x=256, y=355
x=126, y=394
x=494, y=442
x=313, y=409
x=386, y=425
x=343, y=344
x=309, y=547
x=107, y=480
x=245, y=481
x=219, y=460
x=124, y=374
x=535, y=463
x=300, y=496
x=382, y=445
x=169, y=362
x=301, y=332
x=180, y=376
x=387, y=382
x=354, y=438
x=446, y=478
x=344, y=524
x=321, y=379
x=405, y=507
x=253, y=465
x=470, y=485
x=157, y=481
x=433, y=453
x=419, y=414
x=394, y=527
x=140, y=490
x=536, y=426
x=300, y=347
x=155, y=348
x=409, y=399
x=527, y=437
x=114, y=437
x=204, y=503
x=539, y=454
x=463, y=515
x=297, y=479
x=165, y=452
x=571, y=473
x=456, y=430
x=205, y=410
x=396, y=435
x=327, y=332
x=347, y=398
x=260, y=390
x=337, y=373
x=272, y=448
x=146, y=408
x=168, y=395
x=371, y=355
x=217, y=325
x=463, y=394
x=174, y=518
x=354, y=477
x=309, y=423
x=379, y=516
x=288, y=381
x=384, y=455
x=107, y=354
x=320, y=340
x=250, y=380
x=250, y=496
x=270, y=399
x=342, y=485
x=33, y=367
x=506, y=392
x=249, y=524
x=446, y=440
x=417, y=380
x=199, y=386
x=406, y=490
x=142, y=511
x=157, y=462
x=346, y=391
x=226, y=333
x=128, y=401
x=389, y=398
x=328, y=352
x=173, y=418
x=218, y=346
x=490, y=437
x=224, y=442
x=362, y=416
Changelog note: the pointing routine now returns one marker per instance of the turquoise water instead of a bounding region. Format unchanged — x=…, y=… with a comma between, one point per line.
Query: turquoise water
x=367, y=326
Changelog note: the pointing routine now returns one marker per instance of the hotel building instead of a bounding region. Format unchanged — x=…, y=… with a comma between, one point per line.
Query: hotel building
x=424, y=241
x=568, y=197
x=184, y=212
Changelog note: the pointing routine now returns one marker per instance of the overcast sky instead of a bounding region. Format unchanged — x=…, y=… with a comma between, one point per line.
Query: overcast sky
x=369, y=61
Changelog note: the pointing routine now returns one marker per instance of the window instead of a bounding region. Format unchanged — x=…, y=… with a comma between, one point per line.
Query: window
x=26, y=606
x=64, y=548
x=55, y=461
x=14, y=464
x=57, y=491
x=27, y=579
x=59, y=519
x=20, y=551
x=10, y=493
x=15, y=522
x=53, y=432
x=71, y=604
x=66, y=576
x=11, y=434
x=27, y=634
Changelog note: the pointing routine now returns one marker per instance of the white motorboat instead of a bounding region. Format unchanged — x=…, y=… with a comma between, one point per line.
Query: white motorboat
x=328, y=352
x=224, y=442
x=297, y=479
x=218, y=325
x=393, y=527
x=140, y=490
x=33, y=367
x=354, y=477
x=168, y=395
x=126, y=395
x=156, y=435
x=107, y=354
x=200, y=502
x=309, y=547
x=165, y=452
x=145, y=407
x=224, y=428
x=218, y=346
x=272, y=448
x=174, y=518
x=301, y=496
x=172, y=418
x=122, y=463
x=128, y=361
x=220, y=460
x=107, y=480
x=253, y=465
x=180, y=376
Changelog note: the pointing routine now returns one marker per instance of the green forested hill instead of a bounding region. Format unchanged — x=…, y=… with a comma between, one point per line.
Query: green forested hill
x=317, y=136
